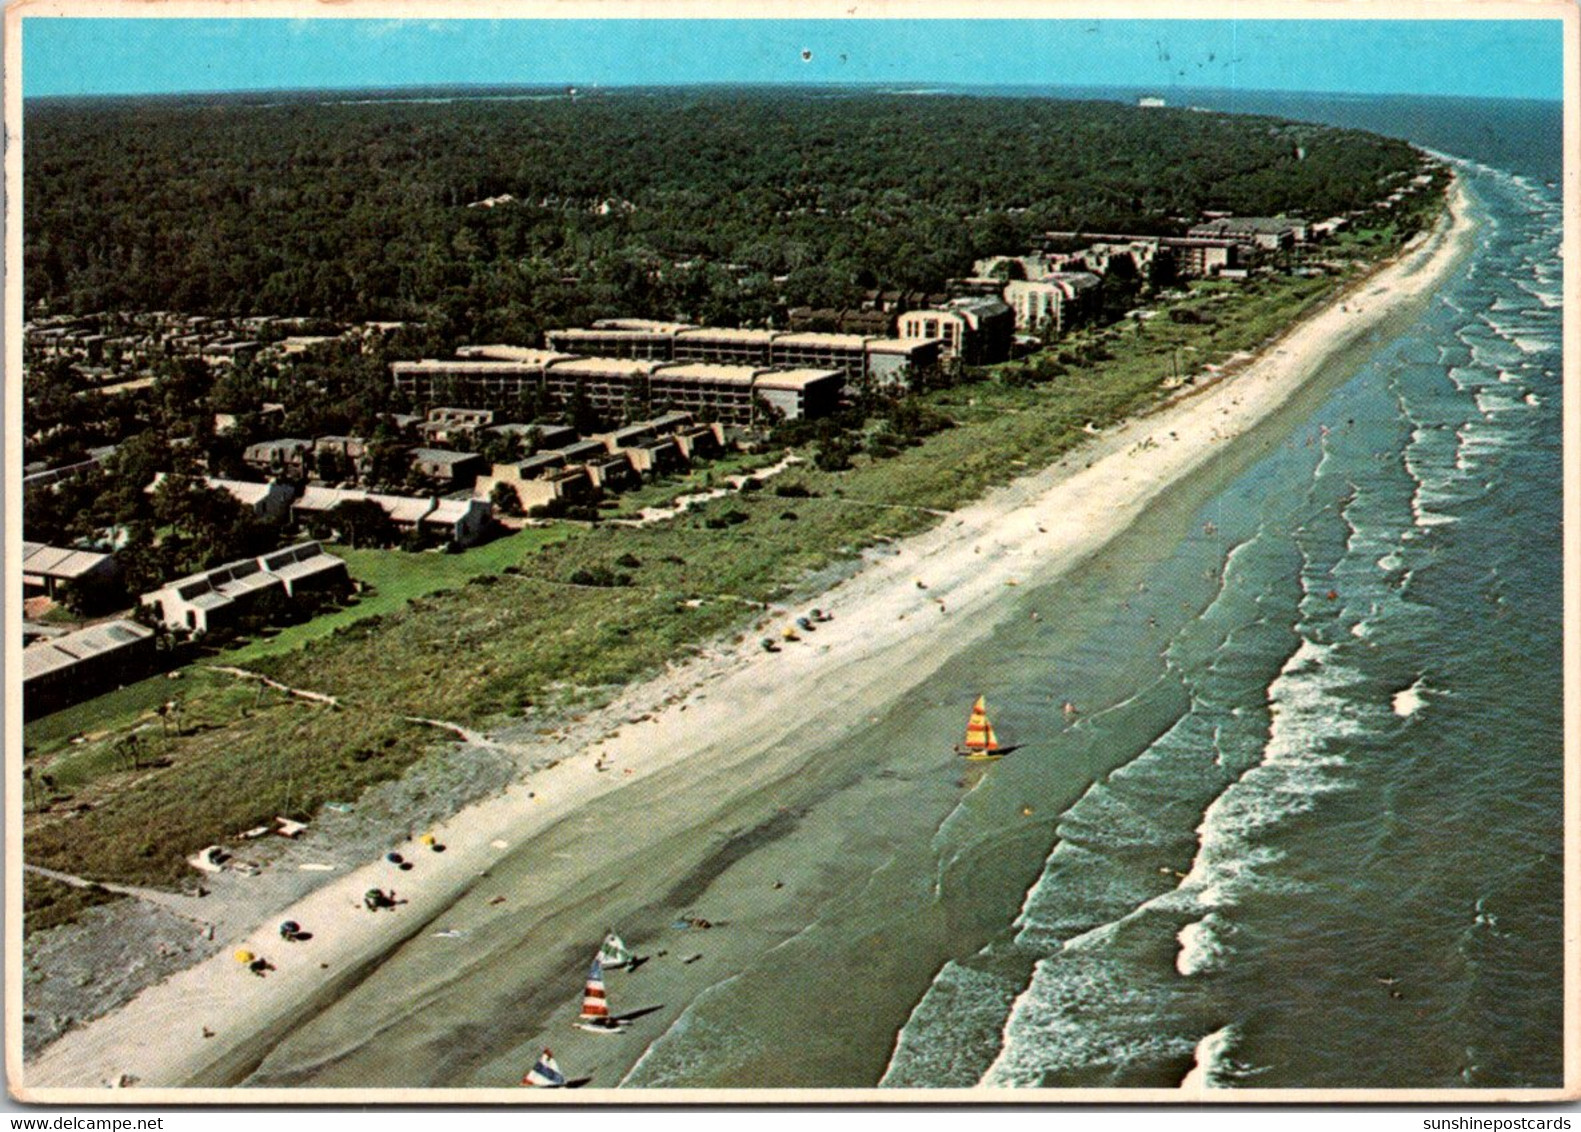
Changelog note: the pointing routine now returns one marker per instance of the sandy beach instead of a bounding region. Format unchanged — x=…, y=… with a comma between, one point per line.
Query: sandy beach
x=625, y=824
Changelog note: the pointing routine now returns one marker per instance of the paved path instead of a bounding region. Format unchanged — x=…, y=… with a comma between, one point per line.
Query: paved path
x=191, y=907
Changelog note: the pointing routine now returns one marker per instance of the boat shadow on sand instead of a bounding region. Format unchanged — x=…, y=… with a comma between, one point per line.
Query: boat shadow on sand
x=632, y=1015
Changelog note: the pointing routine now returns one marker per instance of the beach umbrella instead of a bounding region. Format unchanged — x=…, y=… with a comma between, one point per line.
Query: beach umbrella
x=244, y=956
x=427, y=839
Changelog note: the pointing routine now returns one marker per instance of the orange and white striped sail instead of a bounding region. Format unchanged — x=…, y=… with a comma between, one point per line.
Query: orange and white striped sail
x=979, y=732
x=594, y=1002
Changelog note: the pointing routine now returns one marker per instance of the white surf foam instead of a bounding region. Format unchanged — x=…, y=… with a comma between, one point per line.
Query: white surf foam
x=1408, y=701
x=1202, y=946
x=1212, y=1069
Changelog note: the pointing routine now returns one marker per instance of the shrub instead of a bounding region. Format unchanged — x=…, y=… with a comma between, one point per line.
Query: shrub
x=834, y=455
x=598, y=576
x=728, y=519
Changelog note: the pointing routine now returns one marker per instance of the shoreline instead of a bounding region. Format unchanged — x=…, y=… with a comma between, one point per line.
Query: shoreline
x=756, y=699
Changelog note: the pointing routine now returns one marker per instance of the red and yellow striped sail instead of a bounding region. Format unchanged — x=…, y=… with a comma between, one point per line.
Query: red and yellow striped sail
x=980, y=738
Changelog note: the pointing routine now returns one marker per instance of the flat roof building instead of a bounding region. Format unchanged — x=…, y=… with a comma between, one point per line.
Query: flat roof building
x=707, y=389
x=1271, y=233
x=844, y=352
x=614, y=342
x=656, y=325
x=801, y=393
x=895, y=362
x=604, y=382
x=725, y=345
x=476, y=381
x=521, y=355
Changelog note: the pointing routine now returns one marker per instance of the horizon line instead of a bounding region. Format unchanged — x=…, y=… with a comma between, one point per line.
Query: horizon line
x=765, y=84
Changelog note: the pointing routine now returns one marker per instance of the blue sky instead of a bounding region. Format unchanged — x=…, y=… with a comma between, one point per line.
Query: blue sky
x=1496, y=58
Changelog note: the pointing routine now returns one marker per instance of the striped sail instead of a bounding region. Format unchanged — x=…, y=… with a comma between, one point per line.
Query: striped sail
x=979, y=732
x=594, y=1001
x=545, y=1074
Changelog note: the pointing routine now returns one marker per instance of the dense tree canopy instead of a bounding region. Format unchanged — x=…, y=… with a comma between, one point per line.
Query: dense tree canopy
x=660, y=203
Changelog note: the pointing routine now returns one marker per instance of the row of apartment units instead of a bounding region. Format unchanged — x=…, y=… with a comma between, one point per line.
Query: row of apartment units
x=68, y=669
x=220, y=597
x=141, y=337
x=981, y=335
x=610, y=462
x=563, y=467
x=460, y=522
x=725, y=391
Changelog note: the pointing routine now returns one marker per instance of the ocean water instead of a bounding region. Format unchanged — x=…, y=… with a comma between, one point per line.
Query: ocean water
x=1341, y=864
x=1305, y=828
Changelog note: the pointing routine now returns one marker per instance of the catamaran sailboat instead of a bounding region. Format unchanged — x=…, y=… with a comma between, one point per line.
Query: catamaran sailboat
x=981, y=742
x=613, y=954
x=545, y=1074
x=595, y=1005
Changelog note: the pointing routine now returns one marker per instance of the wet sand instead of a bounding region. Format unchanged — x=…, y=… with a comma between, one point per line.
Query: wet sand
x=704, y=796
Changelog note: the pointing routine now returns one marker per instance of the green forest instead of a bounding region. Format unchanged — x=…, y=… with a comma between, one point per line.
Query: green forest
x=723, y=206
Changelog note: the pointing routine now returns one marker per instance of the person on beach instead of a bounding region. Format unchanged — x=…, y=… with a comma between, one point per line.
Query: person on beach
x=376, y=898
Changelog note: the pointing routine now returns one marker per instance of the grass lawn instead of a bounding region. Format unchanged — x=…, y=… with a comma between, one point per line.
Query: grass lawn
x=396, y=577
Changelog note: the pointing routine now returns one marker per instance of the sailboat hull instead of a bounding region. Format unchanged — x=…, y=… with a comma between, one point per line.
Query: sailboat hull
x=605, y=1026
x=984, y=756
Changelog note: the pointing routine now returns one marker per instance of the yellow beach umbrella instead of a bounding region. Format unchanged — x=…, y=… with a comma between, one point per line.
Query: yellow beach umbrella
x=245, y=956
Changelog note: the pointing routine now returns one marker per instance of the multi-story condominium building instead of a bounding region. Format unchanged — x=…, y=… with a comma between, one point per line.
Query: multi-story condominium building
x=800, y=393
x=725, y=345
x=284, y=456
x=473, y=381
x=844, y=352
x=216, y=598
x=893, y=362
x=606, y=383
x=709, y=390
x=1271, y=233
x=1052, y=303
x=976, y=330
x=657, y=345
x=440, y=520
